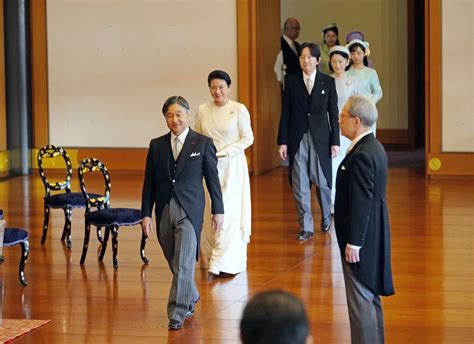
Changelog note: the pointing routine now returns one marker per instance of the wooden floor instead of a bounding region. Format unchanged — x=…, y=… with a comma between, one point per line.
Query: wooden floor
x=432, y=244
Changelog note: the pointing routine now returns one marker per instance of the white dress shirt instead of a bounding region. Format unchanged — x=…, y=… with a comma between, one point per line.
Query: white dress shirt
x=312, y=77
x=176, y=146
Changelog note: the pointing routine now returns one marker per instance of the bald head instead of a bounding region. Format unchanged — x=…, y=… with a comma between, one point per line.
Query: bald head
x=291, y=28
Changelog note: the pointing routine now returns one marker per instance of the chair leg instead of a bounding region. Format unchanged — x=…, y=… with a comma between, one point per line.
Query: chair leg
x=115, y=246
x=86, y=242
x=104, y=243
x=99, y=234
x=25, y=250
x=45, y=223
x=67, y=227
x=142, y=249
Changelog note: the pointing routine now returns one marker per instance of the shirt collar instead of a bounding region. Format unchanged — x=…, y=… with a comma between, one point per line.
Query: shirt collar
x=357, y=139
x=289, y=41
x=181, y=137
x=312, y=76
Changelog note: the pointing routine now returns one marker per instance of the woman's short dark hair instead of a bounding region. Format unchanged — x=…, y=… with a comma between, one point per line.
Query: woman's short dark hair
x=353, y=48
x=343, y=54
x=175, y=100
x=314, y=49
x=218, y=74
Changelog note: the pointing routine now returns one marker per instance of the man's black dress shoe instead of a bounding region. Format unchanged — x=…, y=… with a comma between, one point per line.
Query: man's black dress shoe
x=192, y=307
x=304, y=235
x=325, y=227
x=175, y=324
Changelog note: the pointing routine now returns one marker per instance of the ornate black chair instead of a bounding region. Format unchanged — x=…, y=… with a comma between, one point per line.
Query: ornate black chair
x=17, y=236
x=66, y=200
x=110, y=218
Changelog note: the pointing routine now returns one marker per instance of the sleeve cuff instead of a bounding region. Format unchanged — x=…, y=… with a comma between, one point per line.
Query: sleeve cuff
x=354, y=246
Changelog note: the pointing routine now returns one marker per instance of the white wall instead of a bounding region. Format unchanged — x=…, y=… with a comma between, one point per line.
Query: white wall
x=384, y=23
x=457, y=76
x=112, y=64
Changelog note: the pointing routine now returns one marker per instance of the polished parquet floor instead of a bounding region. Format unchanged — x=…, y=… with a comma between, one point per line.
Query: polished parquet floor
x=432, y=244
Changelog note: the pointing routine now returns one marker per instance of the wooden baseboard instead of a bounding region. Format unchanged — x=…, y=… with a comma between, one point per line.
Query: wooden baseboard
x=461, y=164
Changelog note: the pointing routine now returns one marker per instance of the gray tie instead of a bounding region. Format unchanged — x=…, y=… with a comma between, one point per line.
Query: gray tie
x=309, y=85
x=176, y=148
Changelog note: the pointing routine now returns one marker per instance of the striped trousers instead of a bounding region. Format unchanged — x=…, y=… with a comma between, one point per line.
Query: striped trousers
x=178, y=241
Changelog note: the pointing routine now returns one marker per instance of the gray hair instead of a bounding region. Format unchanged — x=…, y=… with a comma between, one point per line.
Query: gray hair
x=364, y=108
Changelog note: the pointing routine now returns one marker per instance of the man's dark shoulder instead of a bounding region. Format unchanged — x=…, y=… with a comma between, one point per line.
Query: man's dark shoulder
x=159, y=140
x=293, y=79
x=371, y=147
x=325, y=77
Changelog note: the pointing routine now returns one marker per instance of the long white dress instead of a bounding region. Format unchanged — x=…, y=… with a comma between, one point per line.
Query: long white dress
x=229, y=127
x=346, y=86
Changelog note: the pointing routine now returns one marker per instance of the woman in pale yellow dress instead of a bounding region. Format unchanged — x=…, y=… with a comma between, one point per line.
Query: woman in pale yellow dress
x=228, y=123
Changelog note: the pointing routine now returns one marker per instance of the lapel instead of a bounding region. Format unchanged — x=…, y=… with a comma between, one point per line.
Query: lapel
x=166, y=153
x=188, y=148
x=318, y=86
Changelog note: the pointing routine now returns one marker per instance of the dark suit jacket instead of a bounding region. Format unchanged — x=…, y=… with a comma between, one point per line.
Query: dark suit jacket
x=317, y=112
x=290, y=59
x=196, y=160
x=361, y=215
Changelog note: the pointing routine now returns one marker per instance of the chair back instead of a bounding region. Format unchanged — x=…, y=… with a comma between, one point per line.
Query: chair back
x=49, y=152
x=90, y=165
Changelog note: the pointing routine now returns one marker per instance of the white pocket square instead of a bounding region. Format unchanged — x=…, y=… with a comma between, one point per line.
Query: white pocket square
x=322, y=92
x=343, y=167
x=194, y=154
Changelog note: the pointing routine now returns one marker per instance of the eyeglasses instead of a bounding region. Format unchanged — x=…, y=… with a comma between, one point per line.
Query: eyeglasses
x=341, y=115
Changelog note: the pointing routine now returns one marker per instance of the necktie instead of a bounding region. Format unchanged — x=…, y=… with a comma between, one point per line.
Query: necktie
x=293, y=47
x=176, y=148
x=309, y=85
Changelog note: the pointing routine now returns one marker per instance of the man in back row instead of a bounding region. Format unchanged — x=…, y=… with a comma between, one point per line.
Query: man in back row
x=286, y=63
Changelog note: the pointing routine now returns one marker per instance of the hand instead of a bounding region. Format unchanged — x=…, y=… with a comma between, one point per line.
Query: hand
x=217, y=221
x=147, y=226
x=283, y=152
x=352, y=255
x=335, y=150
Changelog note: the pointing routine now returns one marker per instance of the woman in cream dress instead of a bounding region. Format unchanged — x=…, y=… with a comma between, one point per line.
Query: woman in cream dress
x=346, y=86
x=228, y=124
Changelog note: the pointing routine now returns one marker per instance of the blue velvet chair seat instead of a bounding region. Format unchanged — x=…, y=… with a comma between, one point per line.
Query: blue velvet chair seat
x=13, y=236
x=73, y=199
x=114, y=216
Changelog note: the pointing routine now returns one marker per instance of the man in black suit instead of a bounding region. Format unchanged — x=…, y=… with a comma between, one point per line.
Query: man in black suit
x=287, y=62
x=309, y=136
x=361, y=221
x=175, y=167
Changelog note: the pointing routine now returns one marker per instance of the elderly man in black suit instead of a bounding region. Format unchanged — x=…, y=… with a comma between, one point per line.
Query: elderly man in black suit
x=175, y=167
x=309, y=136
x=361, y=220
x=287, y=63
